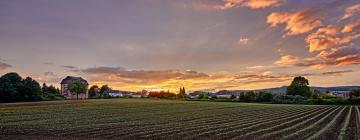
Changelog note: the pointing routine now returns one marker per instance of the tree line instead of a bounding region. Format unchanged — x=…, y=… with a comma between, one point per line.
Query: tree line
x=14, y=88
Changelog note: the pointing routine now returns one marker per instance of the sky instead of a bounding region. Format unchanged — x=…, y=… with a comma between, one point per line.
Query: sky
x=199, y=44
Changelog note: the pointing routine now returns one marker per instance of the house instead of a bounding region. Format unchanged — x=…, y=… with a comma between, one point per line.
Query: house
x=227, y=94
x=115, y=93
x=65, y=88
x=224, y=96
x=344, y=94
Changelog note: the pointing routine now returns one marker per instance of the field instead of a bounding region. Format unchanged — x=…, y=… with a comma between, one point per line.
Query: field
x=166, y=119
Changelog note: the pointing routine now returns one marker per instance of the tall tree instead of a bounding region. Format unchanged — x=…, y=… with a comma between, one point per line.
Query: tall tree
x=30, y=90
x=9, y=87
x=182, y=93
x=299, y=86
x=93, y=91
x=105, y=89
x=53, y=90
x=354, y=93
x=77, y=87
x=44, y=89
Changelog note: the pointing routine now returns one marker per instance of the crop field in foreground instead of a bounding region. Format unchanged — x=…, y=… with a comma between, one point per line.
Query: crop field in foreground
x=166, y=119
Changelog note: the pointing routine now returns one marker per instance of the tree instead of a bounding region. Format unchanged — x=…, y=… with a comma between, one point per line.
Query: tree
x=201, y=96
x=242, y=96
x=299, y=86
x=354, y=93
x=93, y=91
x=52, y=90
x=30, y=90
x=105, y=89
x=9, y=87
x=77, y=87
x=264, y=97
x=182, y=93
x=44, y=89
x=250, y=96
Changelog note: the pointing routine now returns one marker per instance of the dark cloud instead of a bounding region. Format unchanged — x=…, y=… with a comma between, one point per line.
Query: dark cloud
x=97, y=70
x=336, y=72
x=140, y=76
x=49, y=73
x=4, y=66
x=69, y=67
x=48, y=63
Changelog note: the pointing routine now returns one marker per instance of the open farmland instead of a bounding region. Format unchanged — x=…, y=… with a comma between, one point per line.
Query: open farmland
x=166, y=119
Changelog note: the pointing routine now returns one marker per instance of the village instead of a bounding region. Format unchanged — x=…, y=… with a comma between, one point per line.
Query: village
x=195, y=95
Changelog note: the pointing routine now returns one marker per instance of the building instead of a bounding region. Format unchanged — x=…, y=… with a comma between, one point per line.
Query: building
x=65, y=88
x=344, y=94
x=115, y=93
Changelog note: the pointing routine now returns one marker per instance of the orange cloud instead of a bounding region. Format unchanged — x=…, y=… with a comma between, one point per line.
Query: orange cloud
x=323, y=38
x=297, y=22
x=287, y=60
x=253, y=4
x=348, y=28
x=340, y=56
x=351, y=11
x=328, y=37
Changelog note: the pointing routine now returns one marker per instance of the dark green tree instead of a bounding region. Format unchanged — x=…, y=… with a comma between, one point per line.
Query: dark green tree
x=77, y=87
x=105, y=89
x=242, y=96
x=250, y=96
x=30, y=90
x=93, y=91
x=53, y=90
x=264, y=97
x=354, y=93
x=9, y=87
x=299, y=86
x=44, y=89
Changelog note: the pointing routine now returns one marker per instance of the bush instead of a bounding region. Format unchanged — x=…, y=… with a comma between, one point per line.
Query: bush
x=289, y=99
x=337, y=101
x=264, y=97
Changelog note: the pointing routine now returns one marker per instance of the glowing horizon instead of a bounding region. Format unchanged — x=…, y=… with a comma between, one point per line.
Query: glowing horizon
x=196, y=44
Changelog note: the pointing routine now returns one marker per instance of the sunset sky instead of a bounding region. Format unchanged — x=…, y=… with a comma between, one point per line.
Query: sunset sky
x=199, y=44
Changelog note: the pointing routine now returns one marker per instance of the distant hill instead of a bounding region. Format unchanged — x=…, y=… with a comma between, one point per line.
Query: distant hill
x=282, y=89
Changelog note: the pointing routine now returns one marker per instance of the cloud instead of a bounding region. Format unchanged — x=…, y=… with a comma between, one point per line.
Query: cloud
x=260, y=67
x=348, y=28
x=336, y=72
x=340, y=56
x=48, y=63
x=50, y=78
x=140, y=76
x=287, y=60
x=243, y=41
x=323, y=38
x=351, y=11
x=297, y=22
x=49, y=73
x=136, y=80
x=4, y=66
x=253, y=4
x=69, y=67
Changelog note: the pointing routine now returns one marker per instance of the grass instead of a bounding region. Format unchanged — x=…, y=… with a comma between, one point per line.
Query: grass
x=167, y=119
